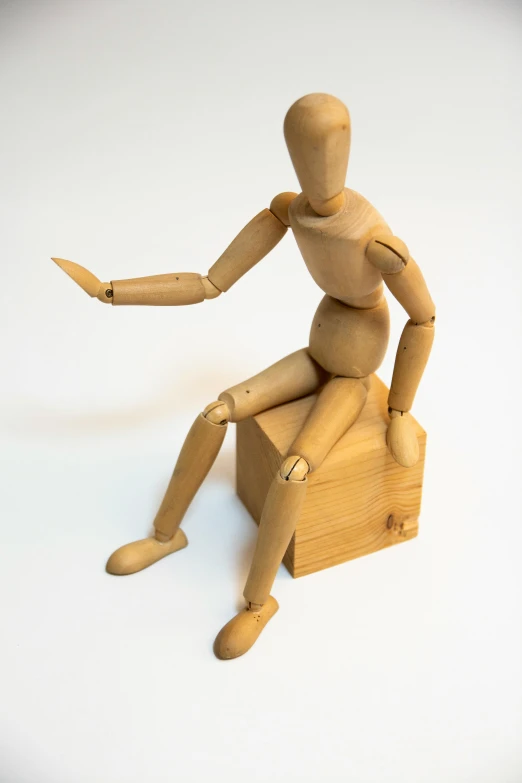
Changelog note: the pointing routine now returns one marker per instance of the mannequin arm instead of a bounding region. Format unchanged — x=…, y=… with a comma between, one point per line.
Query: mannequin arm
x=252, y=244
x=404, y=279
x=409, y=288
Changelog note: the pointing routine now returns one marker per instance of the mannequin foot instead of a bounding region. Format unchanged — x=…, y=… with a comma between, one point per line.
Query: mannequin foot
x=239, y=635
x=140, y=554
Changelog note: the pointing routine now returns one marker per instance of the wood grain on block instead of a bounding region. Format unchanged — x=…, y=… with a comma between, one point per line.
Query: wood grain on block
x=359, y=501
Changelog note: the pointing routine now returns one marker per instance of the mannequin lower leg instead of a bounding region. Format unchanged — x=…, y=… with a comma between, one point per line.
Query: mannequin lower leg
x=336, y=409
x=196, y=457
x=276, y=528
x=278, y=521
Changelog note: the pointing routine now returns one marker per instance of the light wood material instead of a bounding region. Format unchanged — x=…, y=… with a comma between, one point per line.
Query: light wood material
x=389, y=254
x=360, y=497
x=240, y=633
x=279, y=206
x=365, y=302
x=410, y=289
x=217, y=412
x=197, y=456
x=295, y=468
x=181, y=288
x=135, y=557
x=337, y=407
x=359, y=500
x=334, y=248
x=80, y=275
x=349, y=341
x=402, y=439
x=252, y=244
x=211, y=292
x=412, y=356
x=86, y=280
x=317, y=133
x=294, y=376
x=276, y=527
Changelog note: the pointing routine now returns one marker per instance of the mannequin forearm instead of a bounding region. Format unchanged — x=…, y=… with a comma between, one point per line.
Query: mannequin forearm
x=252, y=244
x=412, y=356
x=182, y=288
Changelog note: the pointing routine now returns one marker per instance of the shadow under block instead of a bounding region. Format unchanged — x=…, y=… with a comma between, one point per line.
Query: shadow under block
x=359, y=500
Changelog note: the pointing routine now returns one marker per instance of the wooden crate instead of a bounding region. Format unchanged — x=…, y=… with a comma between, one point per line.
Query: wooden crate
x=359, y=500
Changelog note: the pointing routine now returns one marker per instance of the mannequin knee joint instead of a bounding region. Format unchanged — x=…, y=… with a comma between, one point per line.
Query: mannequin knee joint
x=217, y=413
x=294, y=469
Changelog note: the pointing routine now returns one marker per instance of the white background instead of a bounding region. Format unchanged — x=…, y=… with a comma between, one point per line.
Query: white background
x=138, y=138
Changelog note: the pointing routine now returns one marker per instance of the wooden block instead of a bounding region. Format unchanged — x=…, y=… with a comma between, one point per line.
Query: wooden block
x=359, y=500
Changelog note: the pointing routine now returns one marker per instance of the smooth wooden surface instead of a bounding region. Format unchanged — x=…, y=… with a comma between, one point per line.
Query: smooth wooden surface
x=389, y=254
x=336, y=408
x=334, y=248
x=277, y=524
x=240, y=633
x=86, y=280
x=178, y=288
x=410, y=289
x=402, y=440
x=211, y=292
x=130, y=558
x=412, y=356
x=196, y=457
x=293, y=376
x=359, y=501
x=252, y=244
x=317, y=133
x=349, y=341
x=280, y=204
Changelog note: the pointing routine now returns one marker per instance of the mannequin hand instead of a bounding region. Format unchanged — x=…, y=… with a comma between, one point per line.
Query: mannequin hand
x=402, y=440
x=86, y=280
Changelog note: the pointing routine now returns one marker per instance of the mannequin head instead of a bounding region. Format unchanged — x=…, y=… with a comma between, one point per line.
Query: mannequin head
x=317, y=134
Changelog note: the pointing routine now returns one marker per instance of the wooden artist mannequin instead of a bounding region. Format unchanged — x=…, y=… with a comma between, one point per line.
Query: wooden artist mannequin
x=349, y=251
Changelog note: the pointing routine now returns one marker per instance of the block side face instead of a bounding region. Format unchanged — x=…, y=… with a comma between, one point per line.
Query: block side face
x=353, y=509
x=340, y=553
x=257, y=462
